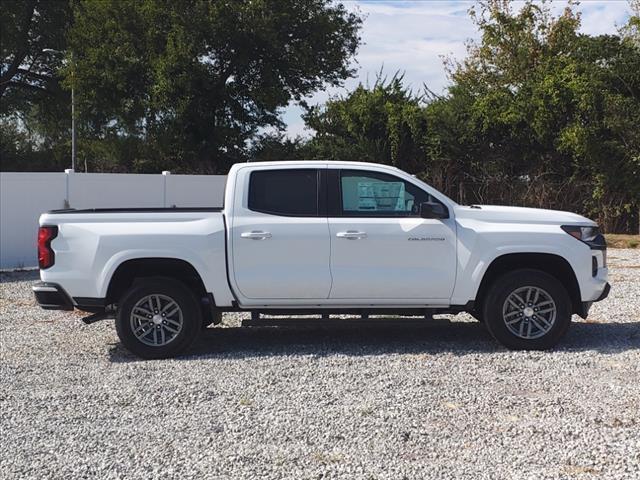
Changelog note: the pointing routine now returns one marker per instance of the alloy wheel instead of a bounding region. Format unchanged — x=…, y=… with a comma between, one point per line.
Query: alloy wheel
x=156, y=320
x=529, y=312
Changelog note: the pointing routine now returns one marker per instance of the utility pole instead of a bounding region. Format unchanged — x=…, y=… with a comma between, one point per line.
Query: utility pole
x=73, y=107
x=73, y=117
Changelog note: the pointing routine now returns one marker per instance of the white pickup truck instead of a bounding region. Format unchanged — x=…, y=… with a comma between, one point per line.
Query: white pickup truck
x=325, y=238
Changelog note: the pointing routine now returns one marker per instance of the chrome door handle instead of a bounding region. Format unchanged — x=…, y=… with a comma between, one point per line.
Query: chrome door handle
x=351, y=235
x=256, y=235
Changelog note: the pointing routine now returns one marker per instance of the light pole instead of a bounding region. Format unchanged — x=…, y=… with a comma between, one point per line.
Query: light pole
x=73, y=109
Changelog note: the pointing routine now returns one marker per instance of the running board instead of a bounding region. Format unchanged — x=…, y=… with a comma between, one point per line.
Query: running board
x=326, y=320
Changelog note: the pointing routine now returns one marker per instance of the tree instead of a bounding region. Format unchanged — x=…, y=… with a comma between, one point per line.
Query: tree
x=631, y=31
x=545, y=101
x=537, y=114
x=29, y=28
x=34, y=114
x=276, y=146
x=376, y=124
x=195, y=80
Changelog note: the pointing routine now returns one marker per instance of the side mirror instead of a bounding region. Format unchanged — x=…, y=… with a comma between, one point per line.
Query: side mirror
x=433, y=210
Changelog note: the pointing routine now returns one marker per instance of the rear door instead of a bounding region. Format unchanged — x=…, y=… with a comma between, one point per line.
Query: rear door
x=280, y=235
x=382, y=251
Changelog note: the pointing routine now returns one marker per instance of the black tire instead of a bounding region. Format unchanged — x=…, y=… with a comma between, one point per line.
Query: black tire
x=477, y=314
x=496, y=302
x=213, y=319
x=166, y=289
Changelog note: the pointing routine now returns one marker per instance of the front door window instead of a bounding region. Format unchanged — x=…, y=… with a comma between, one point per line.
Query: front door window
x=373, y=194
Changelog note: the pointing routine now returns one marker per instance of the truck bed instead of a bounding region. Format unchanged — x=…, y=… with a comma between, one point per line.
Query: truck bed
x=137, y=210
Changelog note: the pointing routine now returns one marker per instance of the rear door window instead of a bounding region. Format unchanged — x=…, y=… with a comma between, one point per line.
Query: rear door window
x=285, y=192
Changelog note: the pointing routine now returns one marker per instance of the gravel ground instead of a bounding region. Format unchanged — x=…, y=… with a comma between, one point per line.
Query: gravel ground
x=414, y=401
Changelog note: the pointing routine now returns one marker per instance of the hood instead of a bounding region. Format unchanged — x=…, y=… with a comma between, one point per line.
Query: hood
x=497, y=213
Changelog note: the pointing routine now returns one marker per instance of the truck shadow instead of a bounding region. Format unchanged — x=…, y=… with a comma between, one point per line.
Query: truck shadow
x=362, y=339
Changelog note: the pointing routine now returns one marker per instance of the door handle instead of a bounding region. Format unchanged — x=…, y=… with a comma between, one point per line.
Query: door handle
x=351, y=235
x=256, y=235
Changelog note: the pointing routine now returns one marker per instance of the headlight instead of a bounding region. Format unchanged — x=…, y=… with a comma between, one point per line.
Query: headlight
x=585, y=234
x=589, y=235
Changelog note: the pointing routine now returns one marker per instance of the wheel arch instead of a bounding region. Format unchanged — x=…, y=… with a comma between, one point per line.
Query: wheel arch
x=552, y=264
x=129, y=271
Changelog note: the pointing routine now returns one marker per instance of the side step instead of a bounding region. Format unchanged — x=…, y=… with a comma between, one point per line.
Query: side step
x=325, y=320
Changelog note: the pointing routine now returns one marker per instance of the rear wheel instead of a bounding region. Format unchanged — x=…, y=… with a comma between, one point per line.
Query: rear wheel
x=527, y=310
x=158, y=318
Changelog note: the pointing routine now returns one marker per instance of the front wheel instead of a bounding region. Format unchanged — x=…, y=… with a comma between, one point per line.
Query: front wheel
x=527, y=310
x=158, y=318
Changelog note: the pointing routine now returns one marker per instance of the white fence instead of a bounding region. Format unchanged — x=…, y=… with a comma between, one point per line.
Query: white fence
x=24, y=196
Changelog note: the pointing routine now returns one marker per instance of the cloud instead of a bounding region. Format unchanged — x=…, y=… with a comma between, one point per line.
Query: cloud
x=599, y=18
x=412, y=37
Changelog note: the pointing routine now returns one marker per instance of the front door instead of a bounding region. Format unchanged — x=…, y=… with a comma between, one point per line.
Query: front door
x=280, y=242
x=382, y=251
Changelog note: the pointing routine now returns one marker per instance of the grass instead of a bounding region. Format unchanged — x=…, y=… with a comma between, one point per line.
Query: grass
x=615, y=240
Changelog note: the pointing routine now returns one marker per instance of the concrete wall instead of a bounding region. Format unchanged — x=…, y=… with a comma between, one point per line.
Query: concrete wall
x=195, y=190
x=24, y=196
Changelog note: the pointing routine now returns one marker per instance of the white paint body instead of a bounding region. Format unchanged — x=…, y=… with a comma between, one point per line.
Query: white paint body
x=307, y=262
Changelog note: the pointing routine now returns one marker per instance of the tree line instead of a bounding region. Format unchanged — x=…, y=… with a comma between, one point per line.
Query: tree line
x=536, y=114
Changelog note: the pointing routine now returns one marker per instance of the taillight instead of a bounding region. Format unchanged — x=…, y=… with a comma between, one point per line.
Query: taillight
x=46, y=257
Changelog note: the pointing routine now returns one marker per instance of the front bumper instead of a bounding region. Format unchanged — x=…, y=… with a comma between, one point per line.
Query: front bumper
x=52, y=296
x=605, y=292
x=587, y=305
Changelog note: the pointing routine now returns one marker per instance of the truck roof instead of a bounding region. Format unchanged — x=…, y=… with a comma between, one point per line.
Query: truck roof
x=336, y=163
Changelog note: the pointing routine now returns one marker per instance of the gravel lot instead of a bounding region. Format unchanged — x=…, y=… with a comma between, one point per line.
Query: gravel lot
x=412, y=401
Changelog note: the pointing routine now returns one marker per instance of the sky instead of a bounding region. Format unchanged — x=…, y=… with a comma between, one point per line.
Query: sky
x=412, y=36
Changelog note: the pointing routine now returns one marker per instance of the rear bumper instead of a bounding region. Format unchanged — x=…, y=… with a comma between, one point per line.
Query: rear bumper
x=52, y=296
